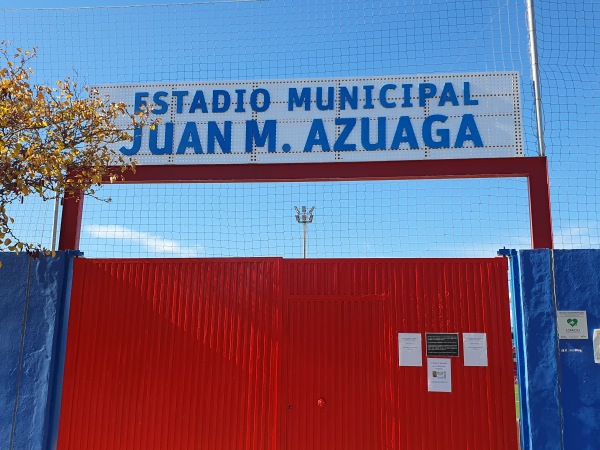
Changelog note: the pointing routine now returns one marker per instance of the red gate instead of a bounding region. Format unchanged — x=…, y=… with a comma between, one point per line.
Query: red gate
x=265, y=353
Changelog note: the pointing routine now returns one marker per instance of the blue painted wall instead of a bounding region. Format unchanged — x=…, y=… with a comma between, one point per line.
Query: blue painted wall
x=578, y=288
x=560, y=380
x=33, y=308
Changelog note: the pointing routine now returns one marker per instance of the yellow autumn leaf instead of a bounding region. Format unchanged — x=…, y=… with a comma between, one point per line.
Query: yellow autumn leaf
x=75, y=138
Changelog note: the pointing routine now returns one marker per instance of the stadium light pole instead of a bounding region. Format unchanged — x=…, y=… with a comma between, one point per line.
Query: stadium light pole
x=304, y=218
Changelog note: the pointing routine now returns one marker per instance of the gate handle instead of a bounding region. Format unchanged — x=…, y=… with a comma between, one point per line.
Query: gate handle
x=321, y=403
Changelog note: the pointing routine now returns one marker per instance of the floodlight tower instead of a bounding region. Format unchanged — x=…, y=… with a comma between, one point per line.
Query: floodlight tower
x=304, y=218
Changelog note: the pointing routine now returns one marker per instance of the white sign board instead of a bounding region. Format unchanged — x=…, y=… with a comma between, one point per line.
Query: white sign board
x=325, y=120
x=439, y=375
x=410, y=349
x=572, y=324
x=475, y=349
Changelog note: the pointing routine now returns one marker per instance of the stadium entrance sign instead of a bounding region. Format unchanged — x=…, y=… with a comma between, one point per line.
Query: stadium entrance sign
x=326, y=120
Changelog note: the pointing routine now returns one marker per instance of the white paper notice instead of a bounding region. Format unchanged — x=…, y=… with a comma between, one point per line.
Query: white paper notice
x=475, y=349
x=410, y=350
x=439, y=375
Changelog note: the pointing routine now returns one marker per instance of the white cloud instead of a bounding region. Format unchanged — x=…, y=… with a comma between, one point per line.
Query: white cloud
x=577, y=234
x=582, y=234
x=151, y=242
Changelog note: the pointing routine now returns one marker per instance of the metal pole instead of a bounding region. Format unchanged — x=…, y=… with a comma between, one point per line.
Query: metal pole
x=535, y=73
x=55, y=223
x=304, y=241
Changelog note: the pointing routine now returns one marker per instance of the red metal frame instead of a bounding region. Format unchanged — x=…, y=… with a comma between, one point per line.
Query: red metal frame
x=535, y=169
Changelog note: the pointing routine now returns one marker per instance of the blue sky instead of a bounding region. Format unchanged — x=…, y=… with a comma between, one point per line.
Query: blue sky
x=264, y=40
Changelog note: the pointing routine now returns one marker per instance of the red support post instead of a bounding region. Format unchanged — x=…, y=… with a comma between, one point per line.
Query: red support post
x=70, y=226
x=539, y=205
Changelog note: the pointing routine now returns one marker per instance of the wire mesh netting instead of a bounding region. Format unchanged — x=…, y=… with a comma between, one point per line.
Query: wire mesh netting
x=569, y=42
x=282, y=40
x=350, y=219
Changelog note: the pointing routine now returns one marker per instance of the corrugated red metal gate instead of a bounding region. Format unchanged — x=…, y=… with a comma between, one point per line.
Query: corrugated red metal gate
x=265, y=353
